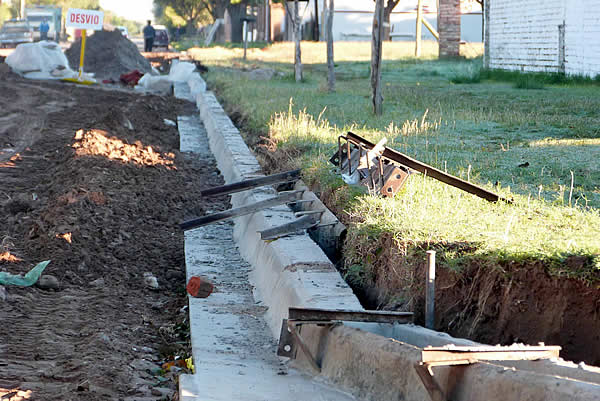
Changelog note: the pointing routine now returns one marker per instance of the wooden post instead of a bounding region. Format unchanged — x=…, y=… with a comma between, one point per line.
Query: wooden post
x=245, y=33
x=376, y=54
x=330, y=63
x=298, y=57
x=316, y=32
x=430, y=291
x=418, y=32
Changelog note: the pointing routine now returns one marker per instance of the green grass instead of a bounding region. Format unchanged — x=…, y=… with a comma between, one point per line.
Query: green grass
x=454, y=116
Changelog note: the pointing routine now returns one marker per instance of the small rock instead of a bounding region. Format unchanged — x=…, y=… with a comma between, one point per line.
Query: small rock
x=3, y=295
x=48, y=282
x=175, y=275
x=261, y=74
x=4, y=68
x=150, y=281
x=97, y=283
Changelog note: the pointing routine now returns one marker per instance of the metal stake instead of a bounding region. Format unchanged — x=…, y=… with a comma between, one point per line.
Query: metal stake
x=430, y=291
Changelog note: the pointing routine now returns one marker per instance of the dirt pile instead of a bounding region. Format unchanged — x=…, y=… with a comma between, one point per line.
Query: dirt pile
x=100, y=196
x=108, y=54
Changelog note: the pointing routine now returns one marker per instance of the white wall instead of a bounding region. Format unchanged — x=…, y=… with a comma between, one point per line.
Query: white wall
x=353, y=20
x=524, y=35
x=582, y=37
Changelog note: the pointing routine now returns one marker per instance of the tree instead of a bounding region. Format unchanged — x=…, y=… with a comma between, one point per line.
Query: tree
x=296, y=22
x=189, y=10
x=376, y=56
x=330, y=62
x=387, y=13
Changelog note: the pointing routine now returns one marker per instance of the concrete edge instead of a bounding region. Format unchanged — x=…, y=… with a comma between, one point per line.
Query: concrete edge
x=294, y=271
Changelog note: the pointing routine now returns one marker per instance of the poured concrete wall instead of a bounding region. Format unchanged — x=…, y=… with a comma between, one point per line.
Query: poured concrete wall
x=373, y=361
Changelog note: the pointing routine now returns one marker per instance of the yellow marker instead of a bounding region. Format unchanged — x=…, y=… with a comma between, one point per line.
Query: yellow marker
x=82, y=55
x=80, y=79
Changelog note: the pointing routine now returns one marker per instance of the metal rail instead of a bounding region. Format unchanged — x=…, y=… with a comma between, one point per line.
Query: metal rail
x=428, y=170
x=283, y=197
x=287, y=176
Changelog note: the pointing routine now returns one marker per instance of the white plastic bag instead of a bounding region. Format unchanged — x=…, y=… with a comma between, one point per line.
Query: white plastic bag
x=40, y=60
x=181, y=72
x=160, y=84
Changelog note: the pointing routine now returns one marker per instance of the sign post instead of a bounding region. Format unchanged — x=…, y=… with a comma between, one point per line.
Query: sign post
x=84, y=20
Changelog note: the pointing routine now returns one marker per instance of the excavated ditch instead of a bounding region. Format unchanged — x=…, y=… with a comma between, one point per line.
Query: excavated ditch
x=493, y=304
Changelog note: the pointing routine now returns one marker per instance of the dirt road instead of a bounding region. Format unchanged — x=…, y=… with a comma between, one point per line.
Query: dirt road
x=92, y=180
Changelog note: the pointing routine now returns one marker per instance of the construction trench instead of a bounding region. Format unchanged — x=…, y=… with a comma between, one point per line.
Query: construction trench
x=272, y=294
x=359, y=354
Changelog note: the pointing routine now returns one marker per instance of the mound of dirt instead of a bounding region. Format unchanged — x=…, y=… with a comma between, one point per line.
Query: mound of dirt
x=108, y=54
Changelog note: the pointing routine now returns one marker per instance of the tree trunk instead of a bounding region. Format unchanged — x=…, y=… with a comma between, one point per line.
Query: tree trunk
x=387, y=27
x=330, y=64
x=376, y=53
x=298, y=57
x=387, y=13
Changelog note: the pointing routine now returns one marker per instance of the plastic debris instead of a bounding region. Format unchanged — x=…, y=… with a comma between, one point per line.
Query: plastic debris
x=131, y=78
x=199, y=287
x=24, y=281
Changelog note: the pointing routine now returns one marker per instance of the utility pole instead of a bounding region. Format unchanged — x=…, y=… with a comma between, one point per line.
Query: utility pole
x=22, y=10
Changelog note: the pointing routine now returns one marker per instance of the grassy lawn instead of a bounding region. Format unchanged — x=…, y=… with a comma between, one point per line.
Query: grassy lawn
x=538, y=146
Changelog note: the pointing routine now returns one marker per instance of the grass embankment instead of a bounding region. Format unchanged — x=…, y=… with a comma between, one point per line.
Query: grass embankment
x=539, y=147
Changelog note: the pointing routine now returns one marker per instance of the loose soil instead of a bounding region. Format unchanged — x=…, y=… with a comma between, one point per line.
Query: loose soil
x=492, y=304
x=102, y=201
x=108, y=54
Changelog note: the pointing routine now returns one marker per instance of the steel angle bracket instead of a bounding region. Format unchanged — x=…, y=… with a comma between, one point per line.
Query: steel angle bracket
x=280, y=178
x=452, y=355
x=280, y=199
x=384, y=176
x=298, y=226
x=290, y=340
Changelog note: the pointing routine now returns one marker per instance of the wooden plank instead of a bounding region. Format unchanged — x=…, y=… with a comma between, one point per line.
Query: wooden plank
x=485, y=353
x=287, y=176
x=302, y=223
x=313, y=314
x=418, y=34
x=431, y=171
x=241, y=211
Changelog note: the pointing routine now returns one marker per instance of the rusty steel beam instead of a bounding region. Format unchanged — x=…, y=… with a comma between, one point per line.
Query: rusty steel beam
x=287, y=176
x=314, y=314
x=430, y=171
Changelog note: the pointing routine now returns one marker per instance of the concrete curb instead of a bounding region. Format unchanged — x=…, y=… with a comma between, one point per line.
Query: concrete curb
x=294, y=271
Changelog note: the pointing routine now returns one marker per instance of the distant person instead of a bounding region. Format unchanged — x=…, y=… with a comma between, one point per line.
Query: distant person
x=44, y=28
x=149, y=34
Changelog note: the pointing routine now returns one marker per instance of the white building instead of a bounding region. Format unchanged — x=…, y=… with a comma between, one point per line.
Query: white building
x=353, y=19
x=550, y=36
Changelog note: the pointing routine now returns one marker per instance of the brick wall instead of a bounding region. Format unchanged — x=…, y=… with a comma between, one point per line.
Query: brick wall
x=449, y=27
x=525, y=35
